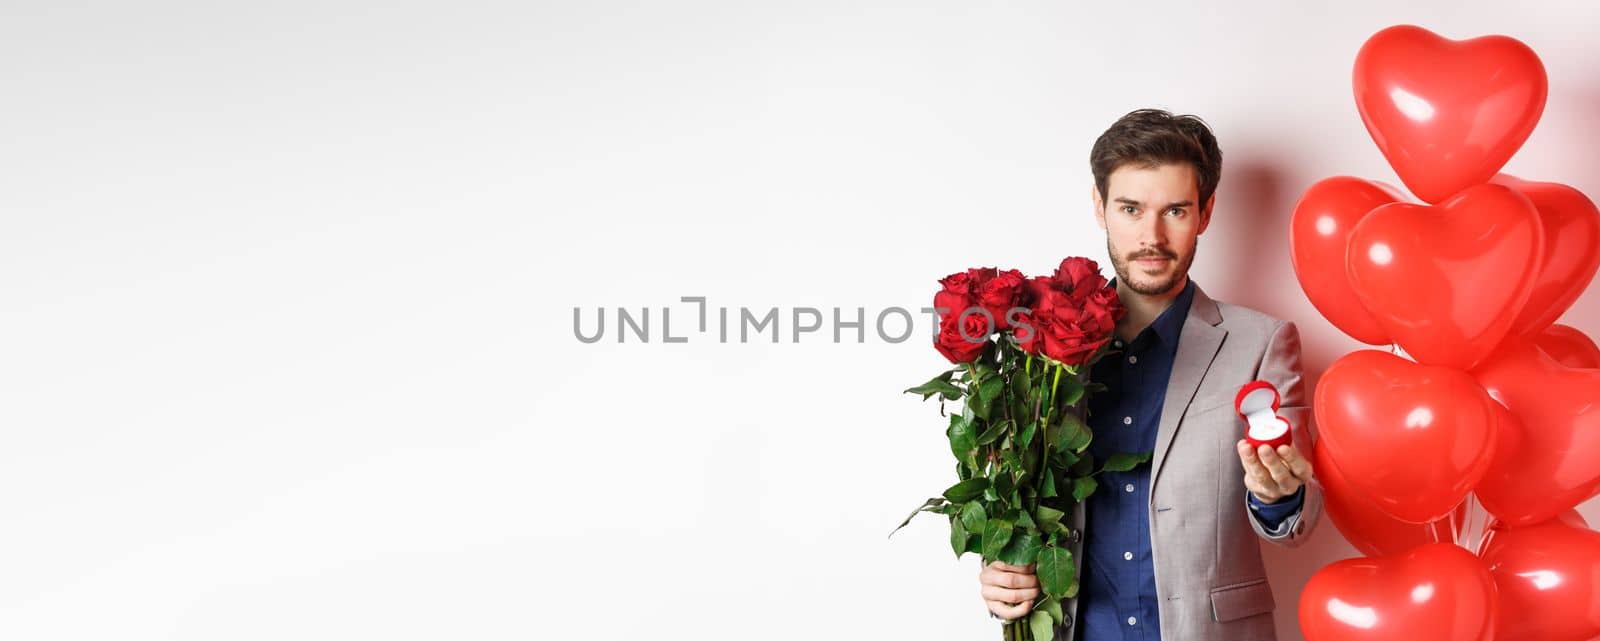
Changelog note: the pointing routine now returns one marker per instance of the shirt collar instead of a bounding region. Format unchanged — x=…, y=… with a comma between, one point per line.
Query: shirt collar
x=1169, y=325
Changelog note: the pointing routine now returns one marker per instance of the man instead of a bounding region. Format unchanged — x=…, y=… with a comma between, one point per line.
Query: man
x=1169, y=549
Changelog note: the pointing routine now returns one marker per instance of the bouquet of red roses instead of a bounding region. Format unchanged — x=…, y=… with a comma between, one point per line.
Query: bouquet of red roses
x=1022, y=350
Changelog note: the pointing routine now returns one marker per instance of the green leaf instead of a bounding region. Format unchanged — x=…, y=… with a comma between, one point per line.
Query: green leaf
x=1082, y=487
x=1003, y=485
x=937, y=385
x=975, y=543
x=1051, y=607
x=994, y=431
x=962, y=437
x=930, y=503
x=1071, y=392
x=988, y=390
x=991, y=386
x=1022, y=549
x=973, y=516
x=1020, y=386
x=1126, y=462
x=1074, y=435
x=1041, y=626
x=1012, y=460
x=996, y=534
x=1048, y=518
x=958, y=537
x=1022, y=520
x=1084, y=466
x=1055, y=571
x=966, y=490
x=1025, y=437
x=1047, y=489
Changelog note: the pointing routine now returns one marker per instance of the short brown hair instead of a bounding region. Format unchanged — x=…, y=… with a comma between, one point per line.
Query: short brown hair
x=1154, y=137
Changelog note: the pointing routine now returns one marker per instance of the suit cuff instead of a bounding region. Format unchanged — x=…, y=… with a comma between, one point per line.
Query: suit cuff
x=1273, y=515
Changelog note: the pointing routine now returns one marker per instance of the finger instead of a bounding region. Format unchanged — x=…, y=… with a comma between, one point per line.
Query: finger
x=1276, y=467
x=1247, y=458
x=1297, y=461
x=1013, y=580
x=1010, y=611
x=994, y=576
x=1002, y=565
x=993, y=593
x=1266, y=491
x=1253, y=467
x=1301, y=468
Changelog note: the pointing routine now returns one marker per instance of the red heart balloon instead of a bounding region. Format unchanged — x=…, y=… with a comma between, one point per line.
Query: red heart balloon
x=1501, y=490
x=1571, y=250
x=1447, y=114
x=1548, y=579
x=1319, y=233
x=1554, y=463
x=1495, y=526
x=1446, y=281
x=1364, y=525
x=1437, y=592
x=1568, y=346
x=1413, y=439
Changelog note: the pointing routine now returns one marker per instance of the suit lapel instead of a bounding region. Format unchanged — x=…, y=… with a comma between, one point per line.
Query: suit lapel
x=1197, y=346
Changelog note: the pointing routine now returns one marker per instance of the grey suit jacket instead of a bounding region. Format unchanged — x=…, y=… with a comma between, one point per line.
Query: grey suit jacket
x=1210, y=582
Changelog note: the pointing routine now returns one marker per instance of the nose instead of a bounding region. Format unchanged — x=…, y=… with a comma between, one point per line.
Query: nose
x=1152, y=232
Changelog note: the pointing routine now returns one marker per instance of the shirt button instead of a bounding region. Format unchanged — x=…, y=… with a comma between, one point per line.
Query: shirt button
x=1127, y=420
x=1133, y=360
x=1127, y=556
x=1132, y=621
x=1127, y=488
x=1117, y=343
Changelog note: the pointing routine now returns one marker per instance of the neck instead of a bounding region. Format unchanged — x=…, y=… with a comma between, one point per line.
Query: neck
x=1144, y=309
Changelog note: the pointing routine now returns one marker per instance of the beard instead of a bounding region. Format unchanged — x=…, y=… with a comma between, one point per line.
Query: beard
x=1124, y=266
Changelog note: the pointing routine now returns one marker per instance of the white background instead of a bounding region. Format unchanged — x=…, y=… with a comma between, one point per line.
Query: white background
x=288, y=346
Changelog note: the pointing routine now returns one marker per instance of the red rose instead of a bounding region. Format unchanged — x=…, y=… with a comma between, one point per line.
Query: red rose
x=962, y=341
x=1078, y=276
x=1076, y=270
x=1068, y=343
x=957, y=283
x=1071, y=313
x=999, y=294
x=995, y=291
x=956, y=296
x=950, y=304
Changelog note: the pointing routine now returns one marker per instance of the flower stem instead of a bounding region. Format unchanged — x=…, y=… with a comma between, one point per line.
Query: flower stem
x=1052, y=404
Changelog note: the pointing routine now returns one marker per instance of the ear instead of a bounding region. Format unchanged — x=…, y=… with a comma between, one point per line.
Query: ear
x=1205, y=214
x=1099, y=206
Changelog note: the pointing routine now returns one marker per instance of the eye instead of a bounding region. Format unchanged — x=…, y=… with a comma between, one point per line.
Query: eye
x=1175, y=211
x=1128, y=209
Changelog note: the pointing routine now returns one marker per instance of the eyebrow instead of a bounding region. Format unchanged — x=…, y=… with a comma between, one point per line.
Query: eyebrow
x=1135, y=203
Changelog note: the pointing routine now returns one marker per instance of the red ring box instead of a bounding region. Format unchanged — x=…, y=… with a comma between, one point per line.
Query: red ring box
x=1257, y=403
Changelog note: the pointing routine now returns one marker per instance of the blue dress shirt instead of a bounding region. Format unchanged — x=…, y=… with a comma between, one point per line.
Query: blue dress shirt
x=1117, y=591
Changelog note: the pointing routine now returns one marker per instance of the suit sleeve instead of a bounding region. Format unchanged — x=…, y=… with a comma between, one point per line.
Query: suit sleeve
x=1281, y=367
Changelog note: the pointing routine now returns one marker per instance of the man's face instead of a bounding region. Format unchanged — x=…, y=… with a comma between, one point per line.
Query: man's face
x=1152, y=217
